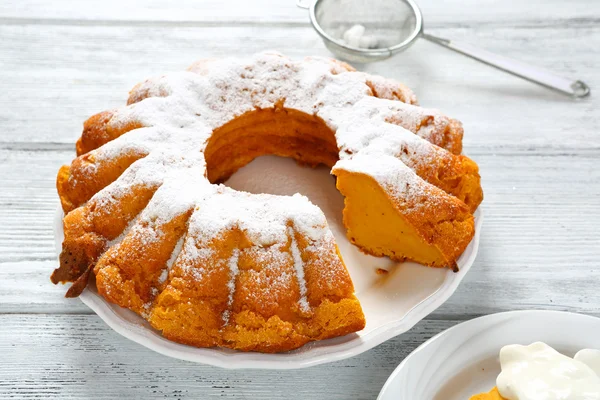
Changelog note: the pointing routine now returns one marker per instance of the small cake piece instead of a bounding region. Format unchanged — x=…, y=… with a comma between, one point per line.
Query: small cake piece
x=414, y=220
x=491, y=395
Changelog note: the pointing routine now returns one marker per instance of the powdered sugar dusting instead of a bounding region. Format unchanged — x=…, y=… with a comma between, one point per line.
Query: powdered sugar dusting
x=232, y=264
x=390, y=89
x=263, y=218
x=299, y=267
x=165, y=272
x=163, y=276
x=400, y=182
x=184, y=186
x=125, y=232
x=275, y=277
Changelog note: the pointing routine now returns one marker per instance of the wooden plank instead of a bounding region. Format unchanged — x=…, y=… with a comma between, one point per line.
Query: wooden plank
x=539, y=244
x=497, y=12
x=25, y=287
x=80, y=357
x=68, y=73
x=28, y=202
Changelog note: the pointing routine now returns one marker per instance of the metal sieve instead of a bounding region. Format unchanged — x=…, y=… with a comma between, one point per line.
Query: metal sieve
x=372, y=30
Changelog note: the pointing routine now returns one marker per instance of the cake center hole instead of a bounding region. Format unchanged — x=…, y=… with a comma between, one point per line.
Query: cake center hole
x=272, y=151
x=278, y=131
x=294, y=136
x=284, y=177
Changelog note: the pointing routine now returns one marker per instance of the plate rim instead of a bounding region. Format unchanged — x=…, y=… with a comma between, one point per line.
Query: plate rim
x=227, y=359
x=489, y=318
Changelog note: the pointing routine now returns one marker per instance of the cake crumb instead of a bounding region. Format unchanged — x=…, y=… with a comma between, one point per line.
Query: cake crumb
x=381, y=271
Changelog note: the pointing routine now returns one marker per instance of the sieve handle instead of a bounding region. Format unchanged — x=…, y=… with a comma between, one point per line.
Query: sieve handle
x=533, y=74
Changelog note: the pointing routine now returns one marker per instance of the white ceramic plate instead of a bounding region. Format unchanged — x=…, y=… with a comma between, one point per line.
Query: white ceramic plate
x=393, y=302
x=463, y=360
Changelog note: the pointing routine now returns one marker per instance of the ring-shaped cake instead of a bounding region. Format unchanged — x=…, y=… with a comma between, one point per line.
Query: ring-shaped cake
x=145, y=212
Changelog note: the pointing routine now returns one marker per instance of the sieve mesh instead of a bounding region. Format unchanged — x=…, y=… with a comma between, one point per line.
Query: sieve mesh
x=386, y=23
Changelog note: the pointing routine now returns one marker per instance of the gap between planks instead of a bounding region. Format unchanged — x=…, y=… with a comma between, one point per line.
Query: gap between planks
x=517, y=150
x=152, y=23
x=553, y=24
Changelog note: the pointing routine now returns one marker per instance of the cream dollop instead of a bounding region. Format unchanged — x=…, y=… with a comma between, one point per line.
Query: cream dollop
x=591, y=358
x=538, y=372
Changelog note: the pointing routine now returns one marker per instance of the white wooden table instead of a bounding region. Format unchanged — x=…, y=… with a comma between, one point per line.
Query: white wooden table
x=62, y=61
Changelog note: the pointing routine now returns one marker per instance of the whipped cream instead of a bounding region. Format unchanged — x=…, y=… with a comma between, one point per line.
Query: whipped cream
x=591, y=358
x=538, y=372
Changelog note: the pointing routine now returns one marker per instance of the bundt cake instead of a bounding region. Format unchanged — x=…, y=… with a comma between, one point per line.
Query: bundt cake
x=211, y=266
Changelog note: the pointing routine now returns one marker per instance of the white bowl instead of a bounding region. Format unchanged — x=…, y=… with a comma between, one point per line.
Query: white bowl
x=463, y=360
x=393, y=302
